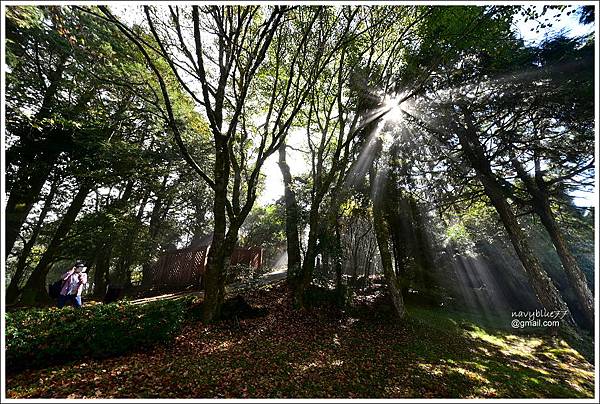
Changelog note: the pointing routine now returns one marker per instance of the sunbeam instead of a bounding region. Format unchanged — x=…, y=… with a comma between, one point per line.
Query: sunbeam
x=392, y=103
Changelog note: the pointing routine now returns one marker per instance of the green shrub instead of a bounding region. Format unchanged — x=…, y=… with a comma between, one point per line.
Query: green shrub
x=243, y=273
x=43, y=337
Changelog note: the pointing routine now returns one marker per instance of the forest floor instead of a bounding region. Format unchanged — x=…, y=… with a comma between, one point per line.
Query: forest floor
x=322, y=352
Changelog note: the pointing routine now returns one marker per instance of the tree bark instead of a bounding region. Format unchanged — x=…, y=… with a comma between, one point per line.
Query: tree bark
x=338, y=265
x=217, y=265
x=127, y=257
x=154, y=227
x=12, y=292
x=25, y=192
x=291, y=219
x=35, y=288
x=308, y=265
x=219, y=252
x=102, y=271
x=382, y=235
x=541, y=205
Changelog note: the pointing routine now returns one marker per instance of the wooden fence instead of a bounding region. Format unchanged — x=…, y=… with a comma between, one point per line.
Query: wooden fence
x=184, y=268
x=251, y=257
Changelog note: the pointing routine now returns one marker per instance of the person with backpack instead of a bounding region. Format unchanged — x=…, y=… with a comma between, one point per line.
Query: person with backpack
x=74, y=281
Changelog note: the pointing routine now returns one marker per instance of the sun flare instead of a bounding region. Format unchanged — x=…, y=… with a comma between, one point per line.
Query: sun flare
x=392, y=104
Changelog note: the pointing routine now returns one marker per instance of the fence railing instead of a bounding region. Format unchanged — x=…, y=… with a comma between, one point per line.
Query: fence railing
x=184, y=268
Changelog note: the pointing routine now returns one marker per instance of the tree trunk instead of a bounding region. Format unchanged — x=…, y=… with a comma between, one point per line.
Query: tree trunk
x=546, y=292
x=382, y=235
x=308, y=265
x=577, y=279
x=25, y=192
x=217, y=265
x=102, y=271
x=127, y=257
x=543, y=287
x=422, y=255
x=12, y=292
x=291, y=219
x=338, y=266
x=153, y=227
x=35, y=288
x=105, y=253
x=219, y=252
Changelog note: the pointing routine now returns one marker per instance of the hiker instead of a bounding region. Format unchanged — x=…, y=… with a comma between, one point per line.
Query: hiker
x=73, y=282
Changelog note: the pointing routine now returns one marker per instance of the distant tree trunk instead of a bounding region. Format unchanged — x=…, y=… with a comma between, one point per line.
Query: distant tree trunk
x=12, y=292
x=291, y=219
x=127, y=257
x=382, y=234
x=146, y=275
x=315, y=233
x=326, y=250
x=398, y=248
x=154, y=228
x=104, y=254
x=200, y=209
x=355, y=247
x=423, y=255
x=400, y=227
x=543, y=287
x=35, y=288
x=332, y=249
x=369, y=262
x=338, y=264
x=102, y=271
x=422, y=247
x=541, y=204
x=124, y=265
x=337, y=255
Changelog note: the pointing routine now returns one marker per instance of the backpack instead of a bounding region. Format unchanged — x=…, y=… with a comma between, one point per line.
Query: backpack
x=54, y=289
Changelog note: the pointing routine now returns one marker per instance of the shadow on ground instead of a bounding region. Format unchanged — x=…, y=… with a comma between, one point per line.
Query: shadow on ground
x=362, y=352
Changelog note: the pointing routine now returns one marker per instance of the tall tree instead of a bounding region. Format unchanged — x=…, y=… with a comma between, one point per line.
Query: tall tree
x=232, y=47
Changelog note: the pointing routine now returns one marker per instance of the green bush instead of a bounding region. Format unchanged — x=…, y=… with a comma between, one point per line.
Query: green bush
x=43, y=337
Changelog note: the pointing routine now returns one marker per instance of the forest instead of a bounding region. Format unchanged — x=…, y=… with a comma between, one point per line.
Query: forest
x=300, y=201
